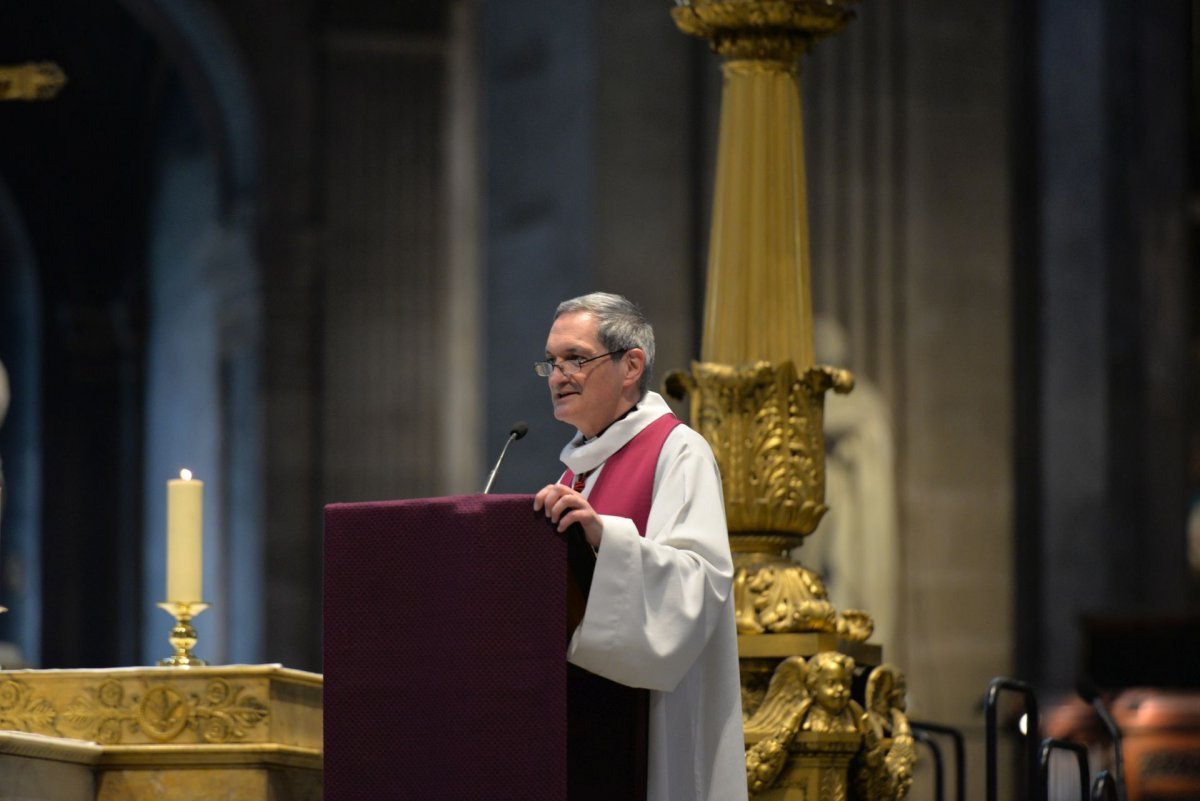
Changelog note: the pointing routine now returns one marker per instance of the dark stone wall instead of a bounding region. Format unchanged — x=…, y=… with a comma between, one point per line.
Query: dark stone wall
x=403, y=192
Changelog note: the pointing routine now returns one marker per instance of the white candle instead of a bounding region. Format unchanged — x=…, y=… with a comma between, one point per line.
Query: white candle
x=185, y=555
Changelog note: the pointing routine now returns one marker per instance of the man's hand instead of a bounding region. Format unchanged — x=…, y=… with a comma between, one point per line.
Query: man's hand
x=564, y=506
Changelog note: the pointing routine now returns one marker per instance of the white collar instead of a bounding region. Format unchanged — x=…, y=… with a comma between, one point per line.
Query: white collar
x=580, y=456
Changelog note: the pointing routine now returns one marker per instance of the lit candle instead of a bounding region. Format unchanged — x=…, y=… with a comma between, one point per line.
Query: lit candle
x=185, y=556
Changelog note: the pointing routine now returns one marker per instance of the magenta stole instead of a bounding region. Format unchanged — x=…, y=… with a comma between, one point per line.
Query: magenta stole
x=607, y=722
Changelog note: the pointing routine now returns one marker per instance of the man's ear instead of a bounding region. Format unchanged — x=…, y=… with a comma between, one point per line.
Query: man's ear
x=637, y=366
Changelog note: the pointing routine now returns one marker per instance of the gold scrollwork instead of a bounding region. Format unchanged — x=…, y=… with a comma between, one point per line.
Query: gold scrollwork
x=883, y=769
x=100, y=714
x=220, y=713
x=226, y=714
x=764, y=423
x=792, y=598
x=163, y=713
x=786, y=597
x=777, y=29
x=21, y=710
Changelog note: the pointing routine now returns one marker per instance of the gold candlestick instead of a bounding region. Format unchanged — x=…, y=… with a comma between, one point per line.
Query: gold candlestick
x=183, y=635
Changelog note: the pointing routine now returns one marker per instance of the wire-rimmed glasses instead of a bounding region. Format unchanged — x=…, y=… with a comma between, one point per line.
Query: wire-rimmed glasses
x=569, y=367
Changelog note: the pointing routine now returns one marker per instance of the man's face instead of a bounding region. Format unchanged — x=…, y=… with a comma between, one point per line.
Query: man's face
x=590, y=399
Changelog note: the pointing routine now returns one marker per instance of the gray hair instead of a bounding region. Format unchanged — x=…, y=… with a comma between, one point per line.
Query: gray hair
x=620, y=326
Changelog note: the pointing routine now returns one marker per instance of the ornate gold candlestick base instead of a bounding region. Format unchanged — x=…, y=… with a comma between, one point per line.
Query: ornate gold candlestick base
x=764, y=422
x=183, y=635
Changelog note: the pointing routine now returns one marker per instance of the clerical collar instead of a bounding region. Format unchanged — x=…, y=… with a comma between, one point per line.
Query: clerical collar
x=626, y=413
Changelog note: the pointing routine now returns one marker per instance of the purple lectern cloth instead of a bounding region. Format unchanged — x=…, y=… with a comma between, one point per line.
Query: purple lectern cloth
x=445, y=675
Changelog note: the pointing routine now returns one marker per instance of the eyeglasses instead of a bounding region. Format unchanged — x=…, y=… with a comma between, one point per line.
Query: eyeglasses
x=569, y=366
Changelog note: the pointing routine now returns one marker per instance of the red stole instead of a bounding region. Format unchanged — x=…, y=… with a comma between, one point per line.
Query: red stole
x=625, y=487
x=608, y=723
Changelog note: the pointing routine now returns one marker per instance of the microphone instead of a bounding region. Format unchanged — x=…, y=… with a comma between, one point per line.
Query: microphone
x=1089, y=692
x=518, y=430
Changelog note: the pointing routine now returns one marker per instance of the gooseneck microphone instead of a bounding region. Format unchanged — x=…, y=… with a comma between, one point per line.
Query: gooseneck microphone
x=518, y=430
x=1091, y=693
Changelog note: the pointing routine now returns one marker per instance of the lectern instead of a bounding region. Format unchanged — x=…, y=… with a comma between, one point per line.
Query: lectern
x=444, y=666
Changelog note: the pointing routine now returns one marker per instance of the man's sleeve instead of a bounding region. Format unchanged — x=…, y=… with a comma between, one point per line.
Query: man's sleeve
x=655, y=601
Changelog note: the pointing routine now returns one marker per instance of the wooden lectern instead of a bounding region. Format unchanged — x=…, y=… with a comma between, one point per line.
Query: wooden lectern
x=445, y=675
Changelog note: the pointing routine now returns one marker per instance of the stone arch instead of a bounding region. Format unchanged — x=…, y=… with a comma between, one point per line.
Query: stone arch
x=200, y=47
x=216, y=320
x=20, y=352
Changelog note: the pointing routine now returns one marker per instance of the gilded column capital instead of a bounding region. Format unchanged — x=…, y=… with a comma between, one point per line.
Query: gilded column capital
x=778, y=30
x=764, y=423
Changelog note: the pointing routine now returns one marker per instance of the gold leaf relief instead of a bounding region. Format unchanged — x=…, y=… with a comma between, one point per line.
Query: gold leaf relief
x=790, y=599
x=164, y=712
x=21, y=710
x=99, y=714
x=764, y=425
x=228, y=714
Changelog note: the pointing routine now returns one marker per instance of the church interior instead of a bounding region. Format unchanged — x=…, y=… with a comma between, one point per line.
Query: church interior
x=310, y=250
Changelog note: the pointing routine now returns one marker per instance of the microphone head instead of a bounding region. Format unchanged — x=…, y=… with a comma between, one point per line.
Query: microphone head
x=519, y=429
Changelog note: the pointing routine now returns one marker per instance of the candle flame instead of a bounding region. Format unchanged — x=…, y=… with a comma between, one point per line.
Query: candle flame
x=185, y=474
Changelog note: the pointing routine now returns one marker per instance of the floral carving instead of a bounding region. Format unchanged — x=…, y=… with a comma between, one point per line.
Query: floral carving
x=220, y=713
x=764, y=423
x=21, y=710
x=226, y=713
x=791, y=599
x=100, y=713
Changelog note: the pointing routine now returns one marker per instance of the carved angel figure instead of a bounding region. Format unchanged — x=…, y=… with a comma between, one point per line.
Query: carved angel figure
x=830, y=707
x=884, y=767
x=778, y=717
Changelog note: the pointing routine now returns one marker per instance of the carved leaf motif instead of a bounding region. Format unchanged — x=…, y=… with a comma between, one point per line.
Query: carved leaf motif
x=229, y=714
x=20, y=710
x=164, y=713
x=764, y=425
x=98, y=714
x=219, y=713
x=791, y=599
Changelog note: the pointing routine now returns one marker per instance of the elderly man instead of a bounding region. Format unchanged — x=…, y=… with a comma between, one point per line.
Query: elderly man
x=647, y=493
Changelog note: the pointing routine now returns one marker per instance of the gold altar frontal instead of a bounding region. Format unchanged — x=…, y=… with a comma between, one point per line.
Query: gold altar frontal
x=238, y=732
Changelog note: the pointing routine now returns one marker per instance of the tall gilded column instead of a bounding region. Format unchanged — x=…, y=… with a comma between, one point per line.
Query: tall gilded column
x=756, y=393
x=758, y=398
x=758, y=304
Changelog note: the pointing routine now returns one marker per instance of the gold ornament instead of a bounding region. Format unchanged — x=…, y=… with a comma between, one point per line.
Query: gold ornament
x=883, y=770
x=770, y=29
x=764, y=423
x=220, y=713
x=32, y=81
x=22, y=710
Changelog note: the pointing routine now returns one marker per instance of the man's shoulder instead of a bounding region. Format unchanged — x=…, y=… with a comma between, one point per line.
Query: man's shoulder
x=685, y=440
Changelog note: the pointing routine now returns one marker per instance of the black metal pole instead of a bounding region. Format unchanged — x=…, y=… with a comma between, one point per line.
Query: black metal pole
x=939, y=773
x=1031, y=733
x=960, y=753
